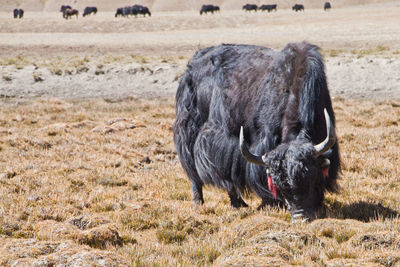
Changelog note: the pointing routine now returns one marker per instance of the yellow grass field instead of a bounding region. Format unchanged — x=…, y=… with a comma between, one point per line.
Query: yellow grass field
x=106, y=176
x=89, y=175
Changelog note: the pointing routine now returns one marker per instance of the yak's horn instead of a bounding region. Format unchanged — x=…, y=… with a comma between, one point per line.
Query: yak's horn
x=330, y=139
x=246, y=153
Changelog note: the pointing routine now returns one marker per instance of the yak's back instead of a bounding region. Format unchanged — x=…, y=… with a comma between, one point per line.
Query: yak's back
x=232, y=70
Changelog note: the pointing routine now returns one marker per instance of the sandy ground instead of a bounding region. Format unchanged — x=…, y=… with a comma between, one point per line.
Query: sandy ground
x=366, y=77
x=361, y=45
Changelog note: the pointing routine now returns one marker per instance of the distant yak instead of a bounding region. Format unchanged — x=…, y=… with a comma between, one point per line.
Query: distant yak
x=327, y=6
x=68, y=13
x=298, y=7
x=250, y=7
x=18, y=13
x=209, y=8
x=65, y=7
x=141, y=10
x=133, y=10
x=89, y=10
x=268, y=8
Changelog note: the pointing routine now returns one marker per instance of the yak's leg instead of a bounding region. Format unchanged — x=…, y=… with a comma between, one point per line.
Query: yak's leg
x=197, y=193
x=236, y=200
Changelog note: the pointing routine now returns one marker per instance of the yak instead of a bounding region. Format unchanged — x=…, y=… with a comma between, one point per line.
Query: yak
x=140, y=10
x=298, y=7
x=327, y=6
x=89, y=10
x=65, y=7
x=269, y=8
x=249, y=7
x=18, y=13
x=249, y=118
x=118, y=12
x=209, y=8
x=68, y=13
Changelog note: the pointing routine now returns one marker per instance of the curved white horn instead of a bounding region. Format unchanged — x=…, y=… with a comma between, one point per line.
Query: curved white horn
x=330, y=139
x=246, y=153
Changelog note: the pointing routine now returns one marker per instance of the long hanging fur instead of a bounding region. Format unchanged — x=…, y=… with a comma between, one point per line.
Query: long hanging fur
x=277, y=96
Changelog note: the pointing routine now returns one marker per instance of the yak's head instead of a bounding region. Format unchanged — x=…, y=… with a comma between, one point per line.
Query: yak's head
x=296, y=171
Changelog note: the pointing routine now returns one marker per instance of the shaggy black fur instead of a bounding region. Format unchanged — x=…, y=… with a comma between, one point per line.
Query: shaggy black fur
x=279, y=98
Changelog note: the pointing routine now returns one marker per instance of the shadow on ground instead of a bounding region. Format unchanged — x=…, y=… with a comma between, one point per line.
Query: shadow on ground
x=361, y=211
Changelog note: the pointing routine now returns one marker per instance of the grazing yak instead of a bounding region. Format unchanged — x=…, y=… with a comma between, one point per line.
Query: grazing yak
x=118, y=12
x=234, y=99
x=298, y=7
x=249, y=7
x=140, y=10
x=269, y=8
x=18, y=13
x=133, y=10
x=327, y=6
x=89, y=10
x=209, y=8
x=68, y=13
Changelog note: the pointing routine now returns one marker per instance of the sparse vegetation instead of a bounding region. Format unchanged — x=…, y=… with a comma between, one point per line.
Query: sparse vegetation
x=143, y=207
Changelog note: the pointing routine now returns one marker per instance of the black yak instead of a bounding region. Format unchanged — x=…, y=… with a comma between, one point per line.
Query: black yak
x=327, y=6
x=282, y=101
x=65, y=7
x=269, y=8
x=209, y=8
x=140, y=10
x=250, y=7
x=298, y=7
x=18, y=13
x=89, y=10
x=118, y=12
x=68, y=13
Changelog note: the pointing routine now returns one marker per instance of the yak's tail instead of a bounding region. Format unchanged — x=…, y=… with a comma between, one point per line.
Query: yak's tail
x=187, y=124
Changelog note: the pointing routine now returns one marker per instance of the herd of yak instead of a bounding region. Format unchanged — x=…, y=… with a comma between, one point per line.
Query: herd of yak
x=135, y=10
x=252, y=7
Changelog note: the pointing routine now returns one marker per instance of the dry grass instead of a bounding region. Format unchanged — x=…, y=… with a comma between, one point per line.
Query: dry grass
x=106, y=175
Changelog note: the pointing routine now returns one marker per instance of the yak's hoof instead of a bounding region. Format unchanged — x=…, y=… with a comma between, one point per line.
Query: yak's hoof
x=239, y=204
x=198, y=202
